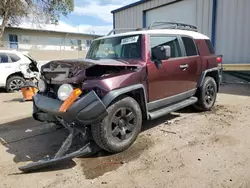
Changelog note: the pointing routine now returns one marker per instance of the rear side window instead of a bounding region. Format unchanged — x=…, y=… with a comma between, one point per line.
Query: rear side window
x=189, y=46
x=210, y=46
x=14, y=57
x=167, y=40
x=4, y=58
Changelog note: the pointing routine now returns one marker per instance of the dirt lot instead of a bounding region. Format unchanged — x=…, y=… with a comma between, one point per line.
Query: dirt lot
x=184, y=149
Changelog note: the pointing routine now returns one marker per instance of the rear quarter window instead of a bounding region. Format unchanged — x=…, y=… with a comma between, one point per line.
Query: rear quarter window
x=14, y=57
x=190, y=46
x=210, y=46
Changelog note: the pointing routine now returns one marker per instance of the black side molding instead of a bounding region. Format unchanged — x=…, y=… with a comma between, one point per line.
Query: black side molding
x=118, y=92
x=204, y=73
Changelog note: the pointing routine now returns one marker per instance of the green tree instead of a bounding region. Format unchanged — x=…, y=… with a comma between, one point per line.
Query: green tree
x=13, y=11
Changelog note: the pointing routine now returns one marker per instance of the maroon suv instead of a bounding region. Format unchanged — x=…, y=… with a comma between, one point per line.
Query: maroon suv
x=127, y=78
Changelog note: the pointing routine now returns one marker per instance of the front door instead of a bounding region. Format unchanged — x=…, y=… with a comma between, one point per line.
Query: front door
x=170, y=82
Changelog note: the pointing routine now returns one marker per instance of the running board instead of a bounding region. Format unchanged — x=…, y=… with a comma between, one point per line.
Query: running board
x=172, y=108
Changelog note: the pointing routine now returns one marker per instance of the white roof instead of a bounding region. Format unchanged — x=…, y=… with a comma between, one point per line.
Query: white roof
x=193, y=34
x=15, y=52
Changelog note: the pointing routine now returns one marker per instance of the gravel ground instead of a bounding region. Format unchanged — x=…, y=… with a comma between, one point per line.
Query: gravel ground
x=184, y=149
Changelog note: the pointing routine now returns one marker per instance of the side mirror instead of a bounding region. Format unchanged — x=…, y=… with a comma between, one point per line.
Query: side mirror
x=161, y=52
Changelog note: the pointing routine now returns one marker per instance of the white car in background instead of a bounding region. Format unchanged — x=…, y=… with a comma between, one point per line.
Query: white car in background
x=15, y=68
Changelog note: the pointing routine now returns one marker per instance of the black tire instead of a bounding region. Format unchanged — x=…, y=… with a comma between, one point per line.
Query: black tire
x=109, y=133
x=18, y=80
x=207, y=95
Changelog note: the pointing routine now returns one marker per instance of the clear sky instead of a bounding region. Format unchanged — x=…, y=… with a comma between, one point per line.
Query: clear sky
x=89, y=16
x=93, y=15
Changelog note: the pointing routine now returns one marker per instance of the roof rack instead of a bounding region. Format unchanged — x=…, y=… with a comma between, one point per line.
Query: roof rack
x=173, y=25
x=125, y=29
x=167, y=25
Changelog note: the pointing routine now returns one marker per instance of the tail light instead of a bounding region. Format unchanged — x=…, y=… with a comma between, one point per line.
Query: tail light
x=219, y=59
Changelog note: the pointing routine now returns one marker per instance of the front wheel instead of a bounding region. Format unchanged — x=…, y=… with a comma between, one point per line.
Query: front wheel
x=14, y=83
x=120, y=128
x=207, y=95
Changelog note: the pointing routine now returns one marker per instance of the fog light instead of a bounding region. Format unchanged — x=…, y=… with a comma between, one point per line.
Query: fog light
x=64, y=91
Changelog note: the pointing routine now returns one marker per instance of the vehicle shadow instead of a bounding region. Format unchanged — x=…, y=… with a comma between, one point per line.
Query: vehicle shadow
x=2, y=90
x=29, y=140
x=14, y=100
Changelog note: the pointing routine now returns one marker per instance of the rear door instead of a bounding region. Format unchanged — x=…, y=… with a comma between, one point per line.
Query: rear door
x=171, y=80
x=8, y=65
x=193, y=62
x=5, y=68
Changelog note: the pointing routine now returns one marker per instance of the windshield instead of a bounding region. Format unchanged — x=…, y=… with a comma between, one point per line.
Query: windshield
x=125, y=47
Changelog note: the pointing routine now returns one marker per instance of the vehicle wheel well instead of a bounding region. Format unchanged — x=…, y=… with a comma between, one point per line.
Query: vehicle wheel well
x=138, y=95
x=215, y=76
x=15, y=74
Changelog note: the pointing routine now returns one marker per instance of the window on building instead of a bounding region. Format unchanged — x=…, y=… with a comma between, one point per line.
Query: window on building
x=88, y=43
x=4, y=58
x=167, y=40
x=210, y=46
x=14, y=57
x=13, y=41
x=189, y=46
x=54, y=41
x=26, y=39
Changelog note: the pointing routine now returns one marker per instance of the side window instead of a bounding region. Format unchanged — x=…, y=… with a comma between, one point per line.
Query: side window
x=14, y=57
x=167, y=40
x=210, y=46
x=4, y=58
x=189, y=46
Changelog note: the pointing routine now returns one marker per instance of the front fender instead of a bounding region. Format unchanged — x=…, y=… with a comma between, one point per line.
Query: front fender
x=112, y=95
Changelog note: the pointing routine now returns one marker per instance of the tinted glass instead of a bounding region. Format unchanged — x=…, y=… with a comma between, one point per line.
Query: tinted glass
x=165, y=40
x=14, y=57
x=4, y=58
x=189, y=46
x=210, y=46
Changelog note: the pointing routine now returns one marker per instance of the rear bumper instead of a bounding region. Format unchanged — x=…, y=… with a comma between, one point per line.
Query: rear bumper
x=86, y=110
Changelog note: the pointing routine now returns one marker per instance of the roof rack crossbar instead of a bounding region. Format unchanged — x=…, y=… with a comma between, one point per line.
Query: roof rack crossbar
x=124, y=29
x=173, y=25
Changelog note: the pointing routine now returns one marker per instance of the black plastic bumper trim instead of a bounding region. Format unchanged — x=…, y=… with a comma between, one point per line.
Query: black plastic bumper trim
x=86, y=110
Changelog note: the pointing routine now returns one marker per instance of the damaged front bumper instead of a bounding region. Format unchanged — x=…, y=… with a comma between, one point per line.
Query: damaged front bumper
x=86, y=110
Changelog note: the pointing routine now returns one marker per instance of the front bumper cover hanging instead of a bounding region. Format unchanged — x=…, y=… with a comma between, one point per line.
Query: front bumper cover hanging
x=88, y=148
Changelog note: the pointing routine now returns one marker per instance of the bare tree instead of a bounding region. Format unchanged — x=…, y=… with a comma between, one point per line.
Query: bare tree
x=13, y=11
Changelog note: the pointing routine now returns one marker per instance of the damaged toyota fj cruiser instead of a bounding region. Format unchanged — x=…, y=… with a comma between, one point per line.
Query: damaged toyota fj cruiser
x=127, y=78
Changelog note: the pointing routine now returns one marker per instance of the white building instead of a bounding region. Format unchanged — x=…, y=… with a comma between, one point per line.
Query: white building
x=226, y=22
x=44, y=44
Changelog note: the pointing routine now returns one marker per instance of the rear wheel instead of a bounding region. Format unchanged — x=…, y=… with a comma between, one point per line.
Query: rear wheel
x=14, y=83
x=207, y=95
x=120, y=128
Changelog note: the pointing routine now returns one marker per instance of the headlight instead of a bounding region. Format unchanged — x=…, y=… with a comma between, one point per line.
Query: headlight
x=42, y=86
x=64, y=91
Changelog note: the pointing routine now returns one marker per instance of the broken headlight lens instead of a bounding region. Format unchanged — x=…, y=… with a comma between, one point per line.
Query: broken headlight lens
x=64, y=91
x=42, y=86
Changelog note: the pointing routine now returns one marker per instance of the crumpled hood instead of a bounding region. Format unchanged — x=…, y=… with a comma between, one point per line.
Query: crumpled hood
x=77, y=67
x=84, y=63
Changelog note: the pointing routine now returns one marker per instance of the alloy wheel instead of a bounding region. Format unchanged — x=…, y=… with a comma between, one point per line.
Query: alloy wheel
x=15, y=84
x=123, y=124
x=209, y=94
